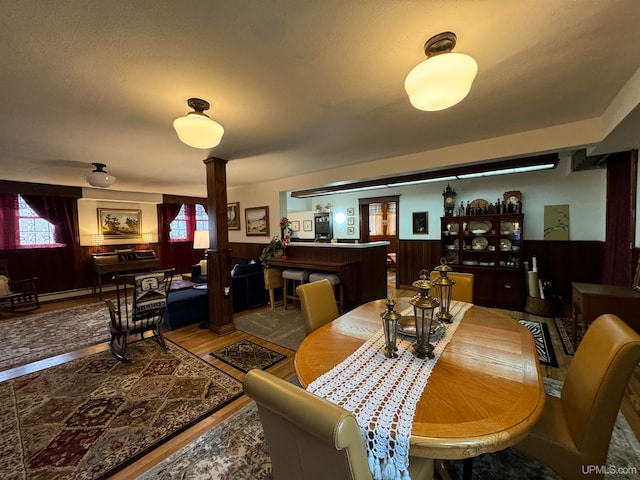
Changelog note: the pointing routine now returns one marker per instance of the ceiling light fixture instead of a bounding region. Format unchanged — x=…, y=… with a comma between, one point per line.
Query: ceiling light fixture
x=196, y=129
x=444, y=78
x=100, y=178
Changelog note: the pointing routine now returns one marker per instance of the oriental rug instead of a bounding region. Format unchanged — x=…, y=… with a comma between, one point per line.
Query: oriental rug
x=90, y=417
x=565, y=330
x=540, y=331
x=235, y=449
x=35, y=336
x=245, y=355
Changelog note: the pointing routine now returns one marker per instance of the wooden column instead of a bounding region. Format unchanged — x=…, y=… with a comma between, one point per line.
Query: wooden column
x=219, y=253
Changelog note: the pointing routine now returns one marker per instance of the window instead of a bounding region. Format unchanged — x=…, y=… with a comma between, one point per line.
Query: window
x=382, y=219
x=33, y=230
x=190, y=218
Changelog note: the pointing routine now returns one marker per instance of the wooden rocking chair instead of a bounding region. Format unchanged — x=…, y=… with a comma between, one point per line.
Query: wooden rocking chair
x=139, y=307
x=20, y=295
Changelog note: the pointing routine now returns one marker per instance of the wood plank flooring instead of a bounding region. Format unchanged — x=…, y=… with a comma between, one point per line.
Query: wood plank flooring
x=202, y=342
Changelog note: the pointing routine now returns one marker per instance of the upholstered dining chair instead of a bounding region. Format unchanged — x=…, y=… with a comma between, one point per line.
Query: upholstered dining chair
x=463, y=289
x=574, y=430
x=318, y=304
x=138, y=308
x=310, y=438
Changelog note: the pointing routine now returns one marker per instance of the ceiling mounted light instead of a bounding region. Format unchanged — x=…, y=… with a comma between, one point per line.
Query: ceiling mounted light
x=196, y=129
x=100, y=178
x=444, y=78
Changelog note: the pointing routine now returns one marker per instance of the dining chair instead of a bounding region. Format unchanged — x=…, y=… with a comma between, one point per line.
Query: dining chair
x=318, y=304
x=463, y=289
x=310, y=438
x=573, y=433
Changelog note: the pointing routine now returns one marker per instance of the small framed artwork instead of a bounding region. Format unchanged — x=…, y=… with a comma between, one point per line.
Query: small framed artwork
x=233, y=216
x=350, y=212
x=350, y=231
x=119, y=223
x=257, y=221
x=295, y=225
x=420, y=223
x=350, y=221
x=636, y=278
x=307, y=225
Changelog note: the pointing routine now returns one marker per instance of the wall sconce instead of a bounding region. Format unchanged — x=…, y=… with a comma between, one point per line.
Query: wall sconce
x=147, y=238
x=339, y=218
x=97, y=241
x=196, y=129
x=444, y=78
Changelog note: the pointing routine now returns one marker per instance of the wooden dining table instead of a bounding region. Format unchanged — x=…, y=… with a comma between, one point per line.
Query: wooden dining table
x=484, y=393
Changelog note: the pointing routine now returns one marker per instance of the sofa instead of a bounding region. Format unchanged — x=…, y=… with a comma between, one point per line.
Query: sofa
x=247, y=282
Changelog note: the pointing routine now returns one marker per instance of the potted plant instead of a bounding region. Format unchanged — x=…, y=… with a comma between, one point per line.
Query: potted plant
x=273, y=249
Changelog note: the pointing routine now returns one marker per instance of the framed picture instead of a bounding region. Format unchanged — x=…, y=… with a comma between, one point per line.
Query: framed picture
x=307, y=225
x=636, y=278
x=350, y=212
x=233, y=216
x=420, y=223
x=350, y=231
x=295, y=225
x=119, y=223
x=350, y=221
x=257, y=221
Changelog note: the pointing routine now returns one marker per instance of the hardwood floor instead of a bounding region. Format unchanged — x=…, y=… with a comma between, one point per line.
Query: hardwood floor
x=201, y=342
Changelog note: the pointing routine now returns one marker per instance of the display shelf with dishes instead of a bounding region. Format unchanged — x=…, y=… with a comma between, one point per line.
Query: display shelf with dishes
x=490, y=247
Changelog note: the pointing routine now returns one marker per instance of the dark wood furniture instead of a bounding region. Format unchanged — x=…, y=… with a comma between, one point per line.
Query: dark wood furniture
x=24, y=294
x=490, y=247
x=590, y=300
x=121, y=262
x=362, y=268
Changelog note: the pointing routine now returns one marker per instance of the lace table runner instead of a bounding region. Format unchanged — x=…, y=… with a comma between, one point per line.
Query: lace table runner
x=382, y=393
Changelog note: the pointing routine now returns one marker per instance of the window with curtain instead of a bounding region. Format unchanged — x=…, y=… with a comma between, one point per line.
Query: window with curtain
x=190, y=218
x=382, y=219
x=375, y=219
x=34, y=231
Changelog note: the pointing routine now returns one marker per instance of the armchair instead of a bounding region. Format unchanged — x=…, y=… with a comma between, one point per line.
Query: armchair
x=139, y=307
x=20, y=295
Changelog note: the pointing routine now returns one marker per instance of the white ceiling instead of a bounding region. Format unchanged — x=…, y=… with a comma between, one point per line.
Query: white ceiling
x=298, y=85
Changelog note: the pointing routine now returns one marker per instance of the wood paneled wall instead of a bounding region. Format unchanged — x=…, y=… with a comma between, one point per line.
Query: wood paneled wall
x=560, y=262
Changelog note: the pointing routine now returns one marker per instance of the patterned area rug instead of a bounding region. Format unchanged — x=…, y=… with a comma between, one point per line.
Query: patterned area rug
x=565, y=330
x=245, y=355
x=35, y=336
x=235, y=450
x=92, y=416
x=540, y=331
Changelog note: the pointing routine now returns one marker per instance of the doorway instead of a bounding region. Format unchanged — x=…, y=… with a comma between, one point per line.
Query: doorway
x=379, y=221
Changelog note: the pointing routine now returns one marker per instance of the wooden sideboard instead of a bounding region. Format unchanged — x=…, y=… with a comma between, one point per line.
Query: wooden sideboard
x=590, y=300
x=121, y=262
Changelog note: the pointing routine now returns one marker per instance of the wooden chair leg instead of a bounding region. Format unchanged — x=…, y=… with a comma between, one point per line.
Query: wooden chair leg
x=272, y=298
x=441, y=470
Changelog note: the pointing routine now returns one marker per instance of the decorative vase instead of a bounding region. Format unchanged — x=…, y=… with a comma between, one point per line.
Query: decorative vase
x=278, y=254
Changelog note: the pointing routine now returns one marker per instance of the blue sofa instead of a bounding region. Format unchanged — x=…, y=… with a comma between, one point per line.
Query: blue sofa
x=186, y=306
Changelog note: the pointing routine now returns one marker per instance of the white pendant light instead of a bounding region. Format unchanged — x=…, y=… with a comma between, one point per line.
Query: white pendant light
x=100, y=178
x=444, y=78
x=196, y=129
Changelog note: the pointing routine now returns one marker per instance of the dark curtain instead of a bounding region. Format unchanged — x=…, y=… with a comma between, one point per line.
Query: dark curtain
x=60, y=212
x=617, y=265
x=8, y=221
x=167, y=213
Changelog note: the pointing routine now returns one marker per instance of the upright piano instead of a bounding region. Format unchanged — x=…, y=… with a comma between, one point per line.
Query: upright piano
x=121, y=261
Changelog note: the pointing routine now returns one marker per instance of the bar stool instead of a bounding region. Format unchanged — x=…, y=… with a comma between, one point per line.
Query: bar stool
x=335, y=282
x=295, y=277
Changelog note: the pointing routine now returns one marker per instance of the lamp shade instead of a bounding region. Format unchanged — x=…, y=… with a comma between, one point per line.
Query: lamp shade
x=440, y=81
x=200, y=239
x=196, y=129
x=100, y=178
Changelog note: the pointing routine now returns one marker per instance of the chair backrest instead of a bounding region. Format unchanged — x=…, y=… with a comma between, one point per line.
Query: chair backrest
x=318, y=304
x=463, y=289
x=595, y=383
x=309, y=438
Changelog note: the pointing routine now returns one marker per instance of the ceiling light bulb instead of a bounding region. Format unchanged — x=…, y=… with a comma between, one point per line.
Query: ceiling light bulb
x=444, y=78
x=196, y=129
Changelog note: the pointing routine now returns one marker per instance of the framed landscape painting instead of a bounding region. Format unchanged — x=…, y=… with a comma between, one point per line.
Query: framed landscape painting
x=233, y=216
x=119, y=223
x=257, y=221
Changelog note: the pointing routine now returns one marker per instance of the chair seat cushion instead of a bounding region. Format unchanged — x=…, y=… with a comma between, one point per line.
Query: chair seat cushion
x=4, y=286
x=332, y=277
x=296, y=274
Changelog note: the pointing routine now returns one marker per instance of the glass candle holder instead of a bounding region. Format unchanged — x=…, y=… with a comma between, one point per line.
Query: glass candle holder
x=423, y=308
x=390, y=320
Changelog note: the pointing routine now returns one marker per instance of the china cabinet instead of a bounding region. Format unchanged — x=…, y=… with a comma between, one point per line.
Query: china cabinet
x=490, y=247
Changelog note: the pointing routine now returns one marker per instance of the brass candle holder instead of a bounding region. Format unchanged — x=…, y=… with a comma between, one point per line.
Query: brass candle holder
x=423, y=308
x=444, y=286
